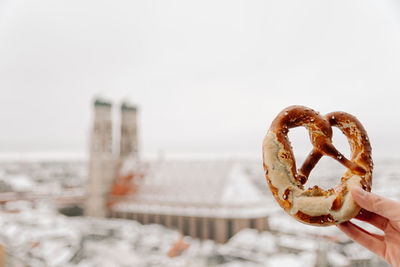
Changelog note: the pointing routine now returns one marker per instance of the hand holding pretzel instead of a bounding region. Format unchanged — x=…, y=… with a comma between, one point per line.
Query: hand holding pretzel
x=316, y=206
x=382, y=213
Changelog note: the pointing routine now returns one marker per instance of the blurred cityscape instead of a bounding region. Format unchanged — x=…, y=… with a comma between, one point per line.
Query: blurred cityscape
x=176, y=177
x=117, y=209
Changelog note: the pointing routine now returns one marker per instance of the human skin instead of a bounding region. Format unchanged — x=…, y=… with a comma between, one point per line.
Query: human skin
x=382, y=213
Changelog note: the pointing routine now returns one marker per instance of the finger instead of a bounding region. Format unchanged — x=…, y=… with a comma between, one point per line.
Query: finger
x=382, y=206
x=376, y=220
x=370, y=241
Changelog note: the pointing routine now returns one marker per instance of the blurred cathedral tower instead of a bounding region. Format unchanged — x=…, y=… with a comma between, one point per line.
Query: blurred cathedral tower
x=102, y=165
x=129, y=140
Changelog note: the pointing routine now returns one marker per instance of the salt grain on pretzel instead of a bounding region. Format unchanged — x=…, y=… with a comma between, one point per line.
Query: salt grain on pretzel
x=314, y=205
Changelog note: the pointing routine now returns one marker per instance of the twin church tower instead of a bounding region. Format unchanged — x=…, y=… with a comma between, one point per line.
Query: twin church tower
x=104, y=159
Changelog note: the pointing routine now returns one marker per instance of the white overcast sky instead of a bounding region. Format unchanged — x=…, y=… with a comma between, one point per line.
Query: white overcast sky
x=208, y=76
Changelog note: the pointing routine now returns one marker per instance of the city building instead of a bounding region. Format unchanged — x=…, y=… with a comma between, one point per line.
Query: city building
x=102, y=161
x=206, y=200
x=129, y=140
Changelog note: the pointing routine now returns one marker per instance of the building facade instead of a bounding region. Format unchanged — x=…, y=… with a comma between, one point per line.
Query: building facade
x=213, y=228
x=102, y=162
x=206, y=200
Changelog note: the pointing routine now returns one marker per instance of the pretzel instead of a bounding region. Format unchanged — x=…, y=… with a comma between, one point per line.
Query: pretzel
x=314, y=205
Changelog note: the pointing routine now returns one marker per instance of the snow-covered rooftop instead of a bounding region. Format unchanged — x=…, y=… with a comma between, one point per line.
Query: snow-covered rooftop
x=218, y=189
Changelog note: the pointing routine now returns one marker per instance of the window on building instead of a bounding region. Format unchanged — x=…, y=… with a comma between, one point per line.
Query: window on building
x=211, y=228
x=199, y=227
x=252, y=223
x=162, y=220
x=175, y=221
x=140, y=218
x=151, y=219
x=230, y=228
x=186, y=226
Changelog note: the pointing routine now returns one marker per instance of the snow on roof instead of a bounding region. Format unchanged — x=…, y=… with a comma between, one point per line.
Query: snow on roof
x=279, y=260
x=239, y=188
x=295, y=242
x=189, y=181
x=197, y=188
x=253, y=240
x=337, y=259
x=21, y=183
x=184, y=209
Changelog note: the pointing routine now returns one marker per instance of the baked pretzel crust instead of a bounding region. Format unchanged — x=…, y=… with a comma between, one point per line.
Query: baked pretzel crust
x=314, y=205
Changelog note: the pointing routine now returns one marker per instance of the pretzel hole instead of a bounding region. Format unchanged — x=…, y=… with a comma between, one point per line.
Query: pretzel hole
x=339, y=140
x=301, y=144
x=327, y=172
